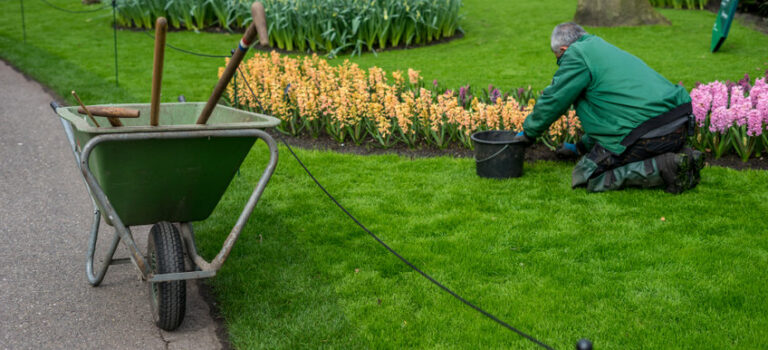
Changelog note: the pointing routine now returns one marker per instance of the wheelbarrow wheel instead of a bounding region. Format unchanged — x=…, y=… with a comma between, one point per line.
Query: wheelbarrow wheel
x=165, y=255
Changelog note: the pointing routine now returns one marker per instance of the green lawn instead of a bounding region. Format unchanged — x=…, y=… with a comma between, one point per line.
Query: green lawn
x=557, y=263
x=507, y=45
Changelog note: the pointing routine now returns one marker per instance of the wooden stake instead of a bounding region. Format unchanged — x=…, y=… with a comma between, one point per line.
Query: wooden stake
x=74, y=94
x=161, y=27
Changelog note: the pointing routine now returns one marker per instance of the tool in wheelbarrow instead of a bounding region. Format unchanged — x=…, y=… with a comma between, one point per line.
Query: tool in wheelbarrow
x=84, y=110
x=161, y=26
x=102, y=111
x=259, y=20
x=167, y=176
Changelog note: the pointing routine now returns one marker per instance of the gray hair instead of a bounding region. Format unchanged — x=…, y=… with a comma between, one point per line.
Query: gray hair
x=565, y=34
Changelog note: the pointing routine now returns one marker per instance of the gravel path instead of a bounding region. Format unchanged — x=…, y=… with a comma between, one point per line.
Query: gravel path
x=45, y=218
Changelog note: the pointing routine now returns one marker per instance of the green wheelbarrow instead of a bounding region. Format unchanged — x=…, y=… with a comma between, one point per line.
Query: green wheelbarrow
x=166, y=176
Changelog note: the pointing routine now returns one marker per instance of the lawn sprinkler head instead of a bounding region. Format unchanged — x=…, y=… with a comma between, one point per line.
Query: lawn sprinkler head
x=584, y=344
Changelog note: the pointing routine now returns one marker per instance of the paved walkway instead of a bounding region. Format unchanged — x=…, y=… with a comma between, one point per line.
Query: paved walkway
x=45, y=218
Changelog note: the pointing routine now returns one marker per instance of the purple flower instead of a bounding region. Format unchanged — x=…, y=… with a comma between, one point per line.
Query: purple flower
x=463, y=95
x=520, y=92
x=495, y=94
x=744, y=82
x=434, y=83
x=490, y=88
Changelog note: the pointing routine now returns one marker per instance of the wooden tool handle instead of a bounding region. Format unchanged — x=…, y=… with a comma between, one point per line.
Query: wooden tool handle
x=260, y=19
x=231, y=68
x=111, y=112
x=161, y=27
x=114, y=121
x=83, y=110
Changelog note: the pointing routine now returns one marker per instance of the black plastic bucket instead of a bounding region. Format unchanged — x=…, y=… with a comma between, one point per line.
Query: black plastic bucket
x=496, y=156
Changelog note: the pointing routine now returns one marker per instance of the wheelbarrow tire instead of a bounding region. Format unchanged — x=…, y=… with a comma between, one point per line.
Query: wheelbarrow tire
x=165, y=253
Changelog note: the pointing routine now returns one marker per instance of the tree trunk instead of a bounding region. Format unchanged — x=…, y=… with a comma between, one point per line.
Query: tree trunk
x=614, y=13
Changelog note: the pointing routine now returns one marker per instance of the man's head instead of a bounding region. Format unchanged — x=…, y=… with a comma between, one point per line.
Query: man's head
x=564, y=35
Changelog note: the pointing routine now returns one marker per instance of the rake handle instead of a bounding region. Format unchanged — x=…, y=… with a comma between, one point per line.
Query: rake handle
x=257, y=9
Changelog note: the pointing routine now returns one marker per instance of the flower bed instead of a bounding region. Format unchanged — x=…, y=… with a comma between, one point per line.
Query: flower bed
x=348, y=103
x=319, y=25
x=731, y=117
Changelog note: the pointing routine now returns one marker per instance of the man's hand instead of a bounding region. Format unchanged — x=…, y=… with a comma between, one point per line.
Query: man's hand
x=568, y=151
x=522, y=139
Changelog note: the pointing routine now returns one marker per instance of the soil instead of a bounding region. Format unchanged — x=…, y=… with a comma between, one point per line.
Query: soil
x=534, y=153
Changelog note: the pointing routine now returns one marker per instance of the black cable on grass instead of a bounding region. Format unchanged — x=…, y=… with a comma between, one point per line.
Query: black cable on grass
x=73, y=11
x=186, y=51
x=404, y=260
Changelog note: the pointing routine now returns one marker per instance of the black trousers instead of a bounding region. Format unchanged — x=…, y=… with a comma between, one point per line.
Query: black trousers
x=641, y=150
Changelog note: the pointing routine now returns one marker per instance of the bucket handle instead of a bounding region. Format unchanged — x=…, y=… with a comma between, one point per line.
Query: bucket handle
x=492, y=155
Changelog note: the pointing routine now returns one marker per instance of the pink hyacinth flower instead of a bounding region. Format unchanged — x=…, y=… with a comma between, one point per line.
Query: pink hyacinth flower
x=719, y=95
x=739, y=107
x=754, y=123
x=758, y=89
x=701, y=99
x=719, y=120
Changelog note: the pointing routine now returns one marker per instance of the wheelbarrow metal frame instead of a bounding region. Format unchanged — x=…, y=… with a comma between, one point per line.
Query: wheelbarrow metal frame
x=204, y=269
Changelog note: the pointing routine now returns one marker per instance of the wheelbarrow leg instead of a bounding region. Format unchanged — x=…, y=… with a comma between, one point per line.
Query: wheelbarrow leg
x=95, y=280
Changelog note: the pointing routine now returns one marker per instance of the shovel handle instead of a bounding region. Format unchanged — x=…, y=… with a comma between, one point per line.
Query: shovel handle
x=110, y=112
x=161, y=27
x=231, y=68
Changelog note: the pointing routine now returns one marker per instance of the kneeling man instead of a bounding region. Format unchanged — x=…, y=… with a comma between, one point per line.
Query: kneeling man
x=635, y=121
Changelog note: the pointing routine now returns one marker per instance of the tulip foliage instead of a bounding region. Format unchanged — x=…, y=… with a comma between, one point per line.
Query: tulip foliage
x=329, y=26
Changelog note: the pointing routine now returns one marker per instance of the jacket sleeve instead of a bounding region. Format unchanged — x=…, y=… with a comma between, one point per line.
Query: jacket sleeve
x=569, y=81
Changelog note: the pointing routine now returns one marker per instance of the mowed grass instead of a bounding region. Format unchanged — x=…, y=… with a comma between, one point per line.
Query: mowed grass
x=558, y=263
x=629, y=270
x=506, y=44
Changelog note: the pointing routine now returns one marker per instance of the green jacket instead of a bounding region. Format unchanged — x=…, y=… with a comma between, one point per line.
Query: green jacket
x=613, y=92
